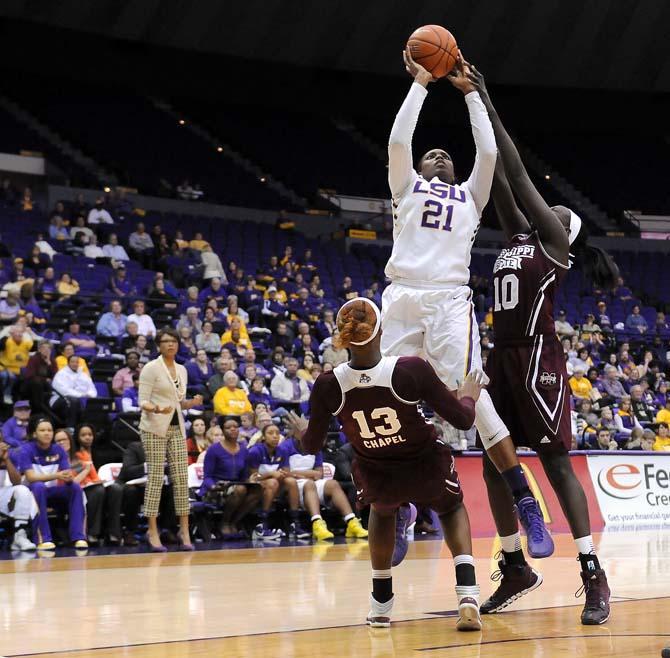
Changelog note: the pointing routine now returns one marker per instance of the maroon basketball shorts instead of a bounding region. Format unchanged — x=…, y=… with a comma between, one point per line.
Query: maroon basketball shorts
x=529, y=389
x=428, y=480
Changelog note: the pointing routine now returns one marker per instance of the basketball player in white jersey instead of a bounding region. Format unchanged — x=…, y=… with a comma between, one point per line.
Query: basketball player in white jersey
x=427, y=309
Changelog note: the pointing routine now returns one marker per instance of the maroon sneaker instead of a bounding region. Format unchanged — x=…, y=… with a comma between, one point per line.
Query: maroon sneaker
x=515, y=582
x=597, y=607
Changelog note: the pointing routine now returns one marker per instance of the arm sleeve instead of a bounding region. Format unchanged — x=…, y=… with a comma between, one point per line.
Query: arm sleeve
x=481, y=178
x=146, y=386
x=325, y=393
x=415, y=379
x=400, y=140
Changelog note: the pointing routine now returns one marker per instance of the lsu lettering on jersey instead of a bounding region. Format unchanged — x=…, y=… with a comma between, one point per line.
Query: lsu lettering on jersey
x=434, y=223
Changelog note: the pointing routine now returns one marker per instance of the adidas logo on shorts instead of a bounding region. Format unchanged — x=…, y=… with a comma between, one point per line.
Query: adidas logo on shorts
x=545, y=439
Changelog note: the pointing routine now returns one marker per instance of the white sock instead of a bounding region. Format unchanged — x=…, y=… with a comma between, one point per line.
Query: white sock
x=349, y=516
x=464, y=559
x=316, y=517
x=585, y=545
x=511, y=543
x=381, y=573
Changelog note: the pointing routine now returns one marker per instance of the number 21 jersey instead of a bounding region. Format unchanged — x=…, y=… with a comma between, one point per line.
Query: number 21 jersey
x=434, y=227
x=525, y=281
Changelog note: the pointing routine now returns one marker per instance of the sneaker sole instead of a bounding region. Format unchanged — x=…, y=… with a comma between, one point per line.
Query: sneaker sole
x=468, y=619
x=511, y=600
x=378, y=622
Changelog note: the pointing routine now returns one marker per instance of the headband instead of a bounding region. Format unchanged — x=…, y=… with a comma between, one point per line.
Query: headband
x=575, y=226
x=377, y=323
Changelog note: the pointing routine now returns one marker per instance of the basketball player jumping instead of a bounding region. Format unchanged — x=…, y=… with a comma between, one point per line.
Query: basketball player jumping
x=427, y=309
x=529, y=382
x=398, y=456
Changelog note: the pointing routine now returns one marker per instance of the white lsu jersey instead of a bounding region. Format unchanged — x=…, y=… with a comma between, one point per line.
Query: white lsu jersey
x=434, y=223
x=434, y=227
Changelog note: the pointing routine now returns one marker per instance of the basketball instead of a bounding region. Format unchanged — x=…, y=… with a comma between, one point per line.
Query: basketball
x=435, y=48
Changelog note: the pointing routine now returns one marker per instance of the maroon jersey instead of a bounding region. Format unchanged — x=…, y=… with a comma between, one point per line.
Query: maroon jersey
x=525, y=281
x=380, y=410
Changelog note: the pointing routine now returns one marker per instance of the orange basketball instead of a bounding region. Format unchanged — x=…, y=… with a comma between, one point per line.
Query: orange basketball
x=435, y=48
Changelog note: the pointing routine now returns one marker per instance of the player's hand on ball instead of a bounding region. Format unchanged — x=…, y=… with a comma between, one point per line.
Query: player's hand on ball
x=297, y=423
x=418, y=72
x=459, y=76
x=473, y=385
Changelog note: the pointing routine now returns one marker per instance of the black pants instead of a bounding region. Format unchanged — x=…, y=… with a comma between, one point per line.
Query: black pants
x=103, y=502
x=37, y=391
x=133, y=497
x=68, y=410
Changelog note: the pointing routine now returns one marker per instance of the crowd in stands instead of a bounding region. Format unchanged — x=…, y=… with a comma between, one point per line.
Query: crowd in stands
x=253, y=344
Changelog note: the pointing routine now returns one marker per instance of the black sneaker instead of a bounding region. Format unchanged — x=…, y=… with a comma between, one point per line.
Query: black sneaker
x=297, y=531
x=597, y=607
x=515, y=582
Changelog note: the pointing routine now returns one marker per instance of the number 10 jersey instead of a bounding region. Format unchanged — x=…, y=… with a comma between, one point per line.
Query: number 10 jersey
x=525, y=281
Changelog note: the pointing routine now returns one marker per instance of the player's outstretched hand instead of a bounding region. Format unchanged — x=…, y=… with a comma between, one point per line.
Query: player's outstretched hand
x=459, y=76
x=297, y=423
x=473, y=385
x=418, y=72
x=476, y=78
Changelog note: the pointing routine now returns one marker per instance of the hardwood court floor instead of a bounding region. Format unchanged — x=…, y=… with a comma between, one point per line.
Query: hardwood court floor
x=311, y=600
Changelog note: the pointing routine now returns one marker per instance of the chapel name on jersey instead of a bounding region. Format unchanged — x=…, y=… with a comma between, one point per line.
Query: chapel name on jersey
x=511, y=258
x=383, y=441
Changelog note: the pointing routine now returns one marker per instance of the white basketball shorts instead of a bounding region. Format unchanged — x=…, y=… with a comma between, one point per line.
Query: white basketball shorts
x=320, y=486
x=440, y=326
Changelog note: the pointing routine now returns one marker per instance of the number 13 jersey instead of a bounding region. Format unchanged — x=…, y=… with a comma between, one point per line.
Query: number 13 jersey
x=525, y=281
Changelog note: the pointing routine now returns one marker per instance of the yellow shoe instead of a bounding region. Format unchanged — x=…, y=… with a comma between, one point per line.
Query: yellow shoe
x=46, y=546
x=81, y=543
x=355, y=529
x=320, y=530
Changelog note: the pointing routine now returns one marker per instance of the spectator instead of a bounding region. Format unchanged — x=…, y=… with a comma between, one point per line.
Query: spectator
x=14, y=355
x=36, y=261
x=607, y=420
x=212, y=263
x=93, y=249
x=160, y=297
x=37, y=376
x=10, y=306
x=130, y=402
x=57, y=230
x=192, y=322
x=71, y=385
x=661, y=324
x=222, y=365
x=662, y=442
x=625, y=421
x=200, y=371
x=145, y=324
x=663, y=416
x=250, y=359
x=68, y=351
x=187, y=348
x=213, y=291
x=563, y=327
x=113, y=323
x=197, y=441
x=46, y=286
x=16, y=502
x=98, y=214
x=258, y=393
x=119, y=283
x=84, y=345
x=230, y=400
x=44, y=465
x=333, y=355
x=611, y=384
x=263, y=461
x=590, y=326
x=15, y=429
x=288, y=388
x=281, y=337
x=635, y=323
x=273, y=310
x=123, y=378
x=234, y=312
x=248, y=426
x=603, y=318
x=114, y=250
x=142, y=245
x=80, y=227
x=207, y=339
x=67, y=286
x=580, y=385
x=644, y=412
x=605, y=441
x=226, y=479
x=326, y=327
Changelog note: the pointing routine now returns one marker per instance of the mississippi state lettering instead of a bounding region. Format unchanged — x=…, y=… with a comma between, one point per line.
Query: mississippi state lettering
x=511, y=258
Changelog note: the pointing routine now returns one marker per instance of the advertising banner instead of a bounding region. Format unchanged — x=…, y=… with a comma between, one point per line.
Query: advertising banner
x=632, y=488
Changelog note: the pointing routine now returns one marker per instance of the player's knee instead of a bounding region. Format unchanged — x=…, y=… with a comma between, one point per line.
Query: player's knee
x=310, y=486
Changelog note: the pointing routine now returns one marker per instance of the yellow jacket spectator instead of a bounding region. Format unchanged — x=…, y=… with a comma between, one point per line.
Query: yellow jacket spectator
x=580, y=385
x=67, y=285
x=236, y=325
x=662, y=442
x=68, y=351
x=230, y=400
x=15, y=350
x=663, y=416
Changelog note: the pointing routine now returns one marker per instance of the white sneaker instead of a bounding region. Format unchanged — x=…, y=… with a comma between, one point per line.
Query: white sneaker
x=21, y=541
x=380, y=613
x=468, y=608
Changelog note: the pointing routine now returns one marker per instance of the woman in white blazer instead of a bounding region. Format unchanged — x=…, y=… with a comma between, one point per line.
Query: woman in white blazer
x=162, y=397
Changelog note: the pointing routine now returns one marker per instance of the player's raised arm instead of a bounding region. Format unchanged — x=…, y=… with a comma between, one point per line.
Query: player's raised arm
x=481, y=177
x=549, y=227
x=400, y=141
x=512, y=220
